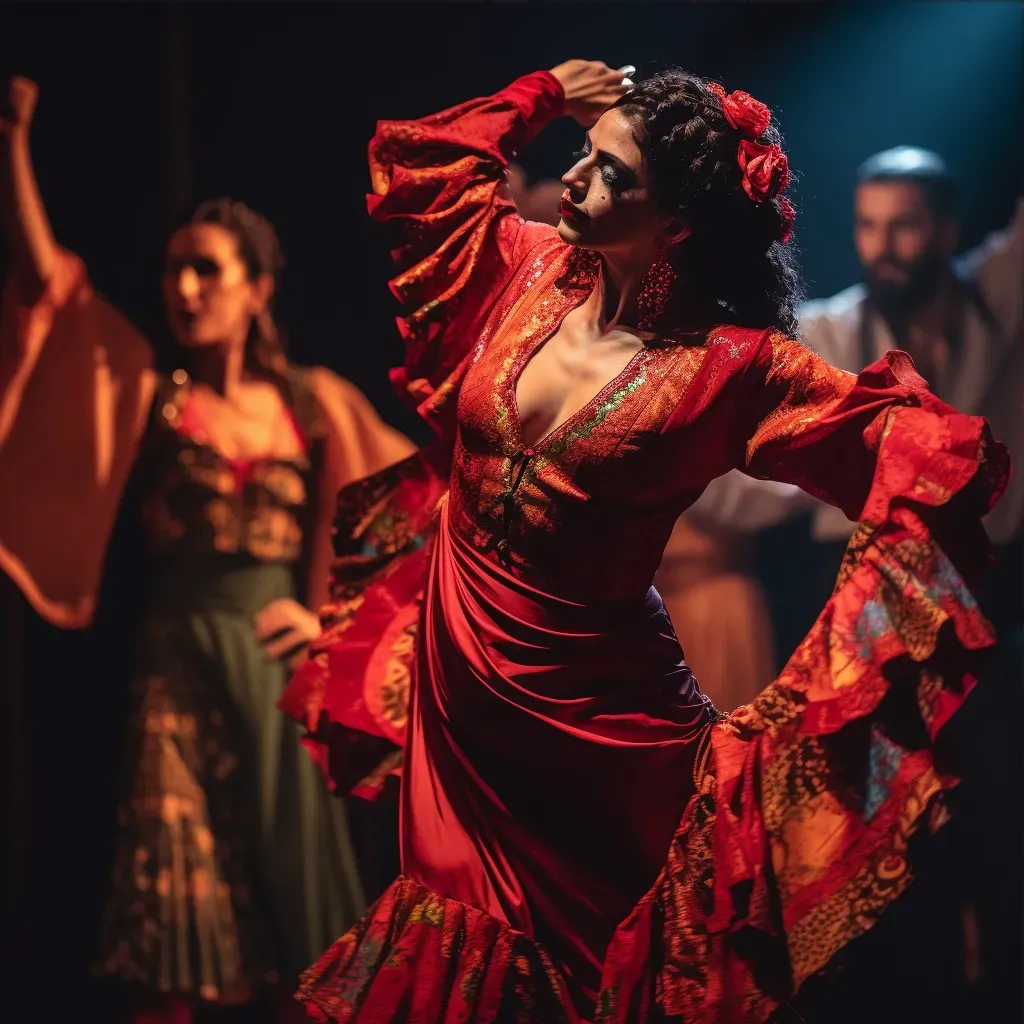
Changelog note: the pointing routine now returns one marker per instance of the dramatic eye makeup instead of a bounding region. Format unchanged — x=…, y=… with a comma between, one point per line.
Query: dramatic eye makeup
x=614, y=173
x=202, y=265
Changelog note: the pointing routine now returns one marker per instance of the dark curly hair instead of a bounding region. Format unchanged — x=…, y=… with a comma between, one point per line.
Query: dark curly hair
x=260, y=250
x=733, y=265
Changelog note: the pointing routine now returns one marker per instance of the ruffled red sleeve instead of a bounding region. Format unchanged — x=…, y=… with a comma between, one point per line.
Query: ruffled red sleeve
x=862, y=442
x=440, y=183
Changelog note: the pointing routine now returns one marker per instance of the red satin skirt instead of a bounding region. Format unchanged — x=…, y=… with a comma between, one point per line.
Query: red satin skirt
x=585, y=839
x=537, y=729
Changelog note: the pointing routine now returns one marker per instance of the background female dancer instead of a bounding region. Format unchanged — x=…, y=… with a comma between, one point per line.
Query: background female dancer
x=234, y=866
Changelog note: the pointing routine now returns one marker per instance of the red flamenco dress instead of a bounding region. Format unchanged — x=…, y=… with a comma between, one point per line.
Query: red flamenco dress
x=583, y=836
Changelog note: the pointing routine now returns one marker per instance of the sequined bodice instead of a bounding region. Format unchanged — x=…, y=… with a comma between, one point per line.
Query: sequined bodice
x=590, y=508
x=199, y=505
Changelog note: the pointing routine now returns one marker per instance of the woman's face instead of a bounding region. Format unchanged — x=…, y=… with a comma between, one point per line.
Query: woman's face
x=608, y=205
x=209, y=295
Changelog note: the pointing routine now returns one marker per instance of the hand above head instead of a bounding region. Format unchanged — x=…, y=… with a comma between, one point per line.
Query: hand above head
x=22, y=213
x=18, y=105
x=591, y=87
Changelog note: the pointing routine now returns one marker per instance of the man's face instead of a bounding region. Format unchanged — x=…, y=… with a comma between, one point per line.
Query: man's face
x=902, y=247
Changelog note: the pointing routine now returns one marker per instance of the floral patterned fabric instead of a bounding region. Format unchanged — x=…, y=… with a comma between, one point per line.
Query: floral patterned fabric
x=199, y=503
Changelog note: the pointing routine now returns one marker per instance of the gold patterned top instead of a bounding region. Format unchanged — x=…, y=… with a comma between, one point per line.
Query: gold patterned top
x=200, y=504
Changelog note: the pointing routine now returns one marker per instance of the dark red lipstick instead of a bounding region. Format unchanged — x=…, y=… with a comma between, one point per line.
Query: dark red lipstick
x=568, y=210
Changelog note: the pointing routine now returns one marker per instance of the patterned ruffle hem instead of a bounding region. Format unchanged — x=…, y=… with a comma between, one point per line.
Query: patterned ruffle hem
x=797, y=839
x=417, y=956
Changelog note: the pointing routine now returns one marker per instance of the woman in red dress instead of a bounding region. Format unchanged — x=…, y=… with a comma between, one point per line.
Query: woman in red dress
x=584, y=837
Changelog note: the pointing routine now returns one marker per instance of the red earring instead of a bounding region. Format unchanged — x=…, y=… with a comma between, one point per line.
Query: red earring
x=581, y=269
x=655, y=293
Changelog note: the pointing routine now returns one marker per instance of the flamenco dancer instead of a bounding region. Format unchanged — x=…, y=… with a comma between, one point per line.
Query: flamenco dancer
x=584, y=837
x=234, y=866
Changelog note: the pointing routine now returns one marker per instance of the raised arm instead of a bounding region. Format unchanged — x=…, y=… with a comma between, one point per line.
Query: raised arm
x=865, y=443
x=76, y=382
x=439, y=182
x=25, y=221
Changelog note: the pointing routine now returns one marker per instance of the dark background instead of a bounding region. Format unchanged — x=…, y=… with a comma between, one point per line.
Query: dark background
x=147, y=108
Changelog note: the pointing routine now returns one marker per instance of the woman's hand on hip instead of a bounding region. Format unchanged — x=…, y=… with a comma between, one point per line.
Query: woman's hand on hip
x=285, y=629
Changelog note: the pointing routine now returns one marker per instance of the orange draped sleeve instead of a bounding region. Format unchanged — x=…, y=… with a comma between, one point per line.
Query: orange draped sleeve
x=76, y=382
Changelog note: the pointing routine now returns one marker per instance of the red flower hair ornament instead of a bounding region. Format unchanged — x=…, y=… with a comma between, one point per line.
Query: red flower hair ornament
x=788, y=217
x=765, y=168
x=742, y=111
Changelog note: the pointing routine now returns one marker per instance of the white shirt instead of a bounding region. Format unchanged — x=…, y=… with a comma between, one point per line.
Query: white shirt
x=989, y=382
x=990, y=377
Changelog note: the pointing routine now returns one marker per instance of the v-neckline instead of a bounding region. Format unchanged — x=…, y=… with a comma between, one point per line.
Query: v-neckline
x=188, y=423
x=523, y=360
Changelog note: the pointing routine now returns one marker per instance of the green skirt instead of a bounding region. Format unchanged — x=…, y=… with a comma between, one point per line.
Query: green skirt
x=235, y=868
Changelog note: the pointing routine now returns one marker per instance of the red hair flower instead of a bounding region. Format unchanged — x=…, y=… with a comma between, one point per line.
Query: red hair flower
x=765, y=170
x=788, y=217
x=742, y=111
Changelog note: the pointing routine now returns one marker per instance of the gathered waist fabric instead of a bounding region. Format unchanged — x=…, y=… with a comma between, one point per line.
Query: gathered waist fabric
x=549, y=753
